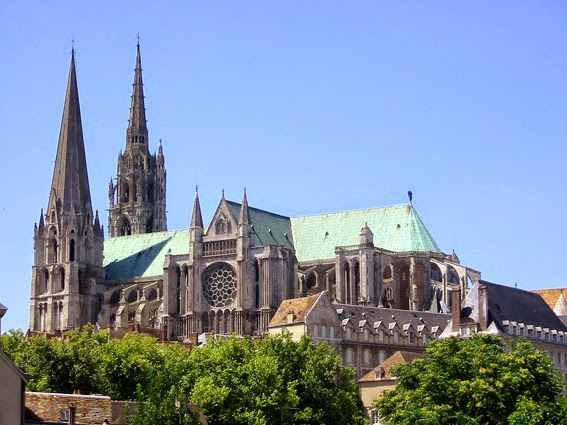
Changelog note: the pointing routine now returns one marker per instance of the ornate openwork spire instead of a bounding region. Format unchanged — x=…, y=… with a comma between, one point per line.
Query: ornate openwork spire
x=137, y=133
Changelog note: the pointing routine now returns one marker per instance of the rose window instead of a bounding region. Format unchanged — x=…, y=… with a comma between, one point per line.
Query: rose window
x=219, y=285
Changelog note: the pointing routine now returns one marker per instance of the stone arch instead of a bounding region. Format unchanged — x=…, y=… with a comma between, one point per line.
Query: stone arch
x=311, y=281
x=61, y=279
x=436, y=274
x=72, y=250
x=452, y=275
x=126, y=192
x=152, y=295
x=43, y=281
x=115, y=297
x=387, y=274
x=52, y=250
x=346, y=274
x=132, y=295
x=356, y=286
x=124, y=227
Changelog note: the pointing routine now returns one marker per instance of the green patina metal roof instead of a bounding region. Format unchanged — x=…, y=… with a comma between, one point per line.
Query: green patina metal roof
x=269, y=228
x=142, y=255
x=397, y=229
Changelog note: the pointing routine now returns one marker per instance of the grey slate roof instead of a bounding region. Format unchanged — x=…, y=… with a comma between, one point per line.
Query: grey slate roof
x=391, y=316
x=517, y=305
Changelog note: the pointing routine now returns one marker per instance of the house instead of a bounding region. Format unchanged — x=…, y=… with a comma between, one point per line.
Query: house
x=12, y=390
x=381, y=379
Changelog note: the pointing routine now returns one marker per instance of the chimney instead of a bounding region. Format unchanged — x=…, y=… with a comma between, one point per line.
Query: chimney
x=456, y=310
x=194, y=339
x=482, y=307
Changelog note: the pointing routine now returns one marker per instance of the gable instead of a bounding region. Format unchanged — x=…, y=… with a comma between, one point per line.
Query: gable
x=224, y=222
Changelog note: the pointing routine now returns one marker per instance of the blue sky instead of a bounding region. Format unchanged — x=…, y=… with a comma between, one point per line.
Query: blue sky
x=314, y=107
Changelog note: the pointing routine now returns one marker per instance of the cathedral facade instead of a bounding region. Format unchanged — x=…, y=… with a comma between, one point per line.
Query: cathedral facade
x=228, y=276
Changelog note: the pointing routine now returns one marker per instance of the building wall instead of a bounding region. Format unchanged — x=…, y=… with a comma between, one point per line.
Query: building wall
x=89, y=410
x=11, y=389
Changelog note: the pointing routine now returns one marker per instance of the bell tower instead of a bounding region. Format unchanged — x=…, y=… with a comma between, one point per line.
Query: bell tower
x=68, y=241
x=137, y=198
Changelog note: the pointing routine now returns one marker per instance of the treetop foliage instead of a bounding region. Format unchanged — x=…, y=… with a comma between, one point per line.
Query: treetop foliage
x=476, y=381
x=234, y=381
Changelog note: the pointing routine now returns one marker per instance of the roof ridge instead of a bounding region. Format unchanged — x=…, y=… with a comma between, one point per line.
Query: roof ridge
x=348, y=211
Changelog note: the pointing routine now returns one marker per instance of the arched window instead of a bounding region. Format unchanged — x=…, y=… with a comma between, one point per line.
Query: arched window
x=72, y=250
x=43, y=285
x=315, y=330
x=356, y=295
x=53, y=250
x=61, y=279
x=256, y=270
x=311, y=280
x=256, y=295
x=346, y=272
x=126, y=193
x=331, y=332
x=387, y=274
x=323, y=331
x=125, y=228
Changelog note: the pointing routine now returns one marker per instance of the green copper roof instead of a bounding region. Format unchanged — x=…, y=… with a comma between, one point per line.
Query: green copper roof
x=142, y=255
x=269, y=228
x=396, y=228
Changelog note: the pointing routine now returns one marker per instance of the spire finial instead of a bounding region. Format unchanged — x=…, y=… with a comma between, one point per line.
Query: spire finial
x=196, y=190
x=138, y=37
x=410, y=196
x=223, y=192
x=245, y=190
x=73, y=44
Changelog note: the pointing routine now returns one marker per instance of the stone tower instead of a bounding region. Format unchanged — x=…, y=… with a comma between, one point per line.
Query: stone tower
x=68, y=241
x=137, y=199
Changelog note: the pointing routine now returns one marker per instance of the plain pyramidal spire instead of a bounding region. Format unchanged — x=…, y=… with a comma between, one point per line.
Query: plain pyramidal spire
x=197, y=218
x=70, y=185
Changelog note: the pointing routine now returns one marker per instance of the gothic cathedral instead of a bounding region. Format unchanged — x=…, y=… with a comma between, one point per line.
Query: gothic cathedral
x=227, y=277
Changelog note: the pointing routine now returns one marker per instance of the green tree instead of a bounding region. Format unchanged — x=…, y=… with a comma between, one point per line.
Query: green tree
x=14, y=345
x=127, y=364
x=473, y=381
x=277, y=380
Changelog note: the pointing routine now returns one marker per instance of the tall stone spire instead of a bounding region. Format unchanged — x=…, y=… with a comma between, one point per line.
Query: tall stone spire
x=70, y=185
x=137, y=132
x=137, y=199
x=67, y=244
